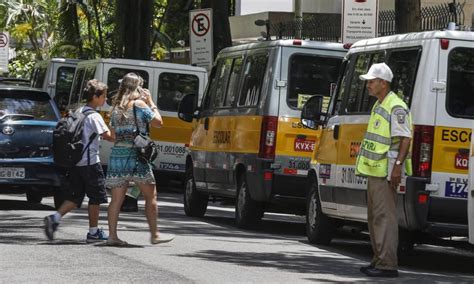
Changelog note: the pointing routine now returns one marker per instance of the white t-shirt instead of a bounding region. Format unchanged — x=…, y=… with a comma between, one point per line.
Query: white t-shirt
x=93, y=123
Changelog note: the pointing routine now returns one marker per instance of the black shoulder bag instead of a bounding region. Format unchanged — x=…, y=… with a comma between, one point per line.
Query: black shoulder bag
x=147, y=151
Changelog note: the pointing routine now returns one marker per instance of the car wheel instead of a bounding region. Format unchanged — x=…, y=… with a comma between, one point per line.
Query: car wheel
x=33, y=197
x=195, y=203
x=319, y=227
x=247, y=211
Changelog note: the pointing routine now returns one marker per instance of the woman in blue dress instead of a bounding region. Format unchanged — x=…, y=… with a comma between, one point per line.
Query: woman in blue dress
x=123, y=166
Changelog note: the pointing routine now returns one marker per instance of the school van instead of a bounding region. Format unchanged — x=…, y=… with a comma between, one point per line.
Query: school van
x=434, y=74
x=248, y=144
x=55, y=76
x=168, y=83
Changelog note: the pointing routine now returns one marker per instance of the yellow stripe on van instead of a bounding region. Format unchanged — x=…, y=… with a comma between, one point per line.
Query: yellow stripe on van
x=294, y=140
x=235, y=134
x=451, y=150
x=174, y=130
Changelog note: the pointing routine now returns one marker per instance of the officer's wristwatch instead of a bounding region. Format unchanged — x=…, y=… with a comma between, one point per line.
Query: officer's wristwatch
x=398, y=162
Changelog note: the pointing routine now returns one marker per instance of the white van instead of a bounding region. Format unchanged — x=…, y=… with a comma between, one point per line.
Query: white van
x=434, y=74
x=54, y=76
x=168, y=83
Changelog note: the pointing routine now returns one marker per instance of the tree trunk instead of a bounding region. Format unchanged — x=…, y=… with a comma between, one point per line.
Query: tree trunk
x=407, y=16
x=221, y=26
x=134, y=26
x=99, y=28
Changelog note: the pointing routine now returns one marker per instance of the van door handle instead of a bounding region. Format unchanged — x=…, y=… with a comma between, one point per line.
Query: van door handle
x=206, y=123
x=335, y=133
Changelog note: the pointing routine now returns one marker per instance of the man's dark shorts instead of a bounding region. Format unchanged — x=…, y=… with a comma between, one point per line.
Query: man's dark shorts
x=88, y=180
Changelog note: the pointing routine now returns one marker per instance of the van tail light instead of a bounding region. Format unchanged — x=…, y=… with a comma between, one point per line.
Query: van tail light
x=444, y=43
x=268, y=137
x=422, y=150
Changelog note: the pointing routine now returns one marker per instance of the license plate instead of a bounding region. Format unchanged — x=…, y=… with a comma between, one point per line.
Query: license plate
x=454, y=189
x=17, y=173
x=303, y=145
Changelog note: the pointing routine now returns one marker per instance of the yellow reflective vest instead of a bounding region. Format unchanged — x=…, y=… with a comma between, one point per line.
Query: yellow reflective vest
x=372, y=159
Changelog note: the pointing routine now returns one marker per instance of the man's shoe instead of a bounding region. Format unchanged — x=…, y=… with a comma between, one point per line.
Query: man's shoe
x=375, y=272
x=363, y=269
x=99, y=236
x=50, y=227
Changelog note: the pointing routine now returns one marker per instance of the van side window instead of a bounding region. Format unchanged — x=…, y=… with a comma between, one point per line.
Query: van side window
x=211, y=85
x=404, y=67
x=64, y=79
x=116, y=74
x=310, y=75
x=172, y=87
x=460, y=83
x=37, y=79
x=77, y=86
x=234, y=79
x=222, y=77
x=90, y=73
x=358, y=91
x=254, y=73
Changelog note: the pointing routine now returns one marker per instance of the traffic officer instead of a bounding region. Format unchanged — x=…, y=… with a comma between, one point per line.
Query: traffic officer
x=384, y=159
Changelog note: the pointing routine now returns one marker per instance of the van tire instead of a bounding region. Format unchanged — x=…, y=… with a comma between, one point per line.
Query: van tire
x=319, y=227
x=247, y=211
x=195, y=203
x=34, y=197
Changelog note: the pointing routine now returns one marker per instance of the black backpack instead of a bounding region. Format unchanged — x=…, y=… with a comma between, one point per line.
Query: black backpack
x=67, y=139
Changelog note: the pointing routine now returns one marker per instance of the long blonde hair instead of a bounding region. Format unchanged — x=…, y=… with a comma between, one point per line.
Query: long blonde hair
x=127, y=92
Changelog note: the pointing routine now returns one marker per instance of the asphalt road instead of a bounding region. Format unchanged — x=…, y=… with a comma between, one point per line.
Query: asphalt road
x=205, y=250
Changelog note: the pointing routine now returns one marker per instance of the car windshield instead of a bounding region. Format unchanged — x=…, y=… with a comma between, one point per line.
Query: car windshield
x=26, y=107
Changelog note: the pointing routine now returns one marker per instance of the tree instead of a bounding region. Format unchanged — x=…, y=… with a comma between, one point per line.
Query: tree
x=407, y=16
x=134, y=28
x=221, y=26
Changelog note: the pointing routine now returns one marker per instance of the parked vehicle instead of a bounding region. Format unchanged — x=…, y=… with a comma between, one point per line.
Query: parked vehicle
x=14, y=81
x=54, y=76
x=248, y=144
x=434, y=74
x=168, y=83
x=27, y=119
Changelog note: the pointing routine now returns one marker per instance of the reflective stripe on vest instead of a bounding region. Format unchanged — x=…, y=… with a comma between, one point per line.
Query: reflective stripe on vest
x=372, y=159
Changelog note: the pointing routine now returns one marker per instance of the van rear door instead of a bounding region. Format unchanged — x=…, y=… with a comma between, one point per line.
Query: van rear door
x=305, y=72
x=454, y=115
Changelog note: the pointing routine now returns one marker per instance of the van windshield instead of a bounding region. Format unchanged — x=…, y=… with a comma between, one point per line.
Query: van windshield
x=311, y=75
x=38, y=76
x=460, y=83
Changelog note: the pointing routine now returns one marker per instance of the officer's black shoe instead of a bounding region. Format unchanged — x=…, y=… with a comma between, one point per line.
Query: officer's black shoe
x=375, y=272
x=363, y=269
x=129, y=204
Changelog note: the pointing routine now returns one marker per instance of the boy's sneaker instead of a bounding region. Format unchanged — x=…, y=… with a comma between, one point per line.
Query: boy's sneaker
x=99, y=236
x=50, y=226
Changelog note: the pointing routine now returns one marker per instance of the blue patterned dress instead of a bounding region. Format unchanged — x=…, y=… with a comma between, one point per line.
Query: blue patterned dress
x=123, y=166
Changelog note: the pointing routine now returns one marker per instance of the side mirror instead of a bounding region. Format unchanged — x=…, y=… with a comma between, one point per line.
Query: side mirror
x=312, y=115
x=187, y=107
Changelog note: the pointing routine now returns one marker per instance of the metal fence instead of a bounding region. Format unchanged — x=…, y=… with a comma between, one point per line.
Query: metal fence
x=327, y=27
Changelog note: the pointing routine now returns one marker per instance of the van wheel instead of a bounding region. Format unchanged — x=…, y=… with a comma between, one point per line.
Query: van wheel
x=247, y=211
x=319, y=227
x=195, y=203
x=33, y=197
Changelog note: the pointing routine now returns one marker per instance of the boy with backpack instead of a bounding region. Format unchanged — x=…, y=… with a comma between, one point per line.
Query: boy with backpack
x=86, y=175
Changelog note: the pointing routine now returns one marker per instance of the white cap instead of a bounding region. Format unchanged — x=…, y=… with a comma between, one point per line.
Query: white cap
x=378, y=70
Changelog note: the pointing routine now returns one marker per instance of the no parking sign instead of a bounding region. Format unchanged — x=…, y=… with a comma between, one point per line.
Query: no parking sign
x=4, y=45
x=200, y=37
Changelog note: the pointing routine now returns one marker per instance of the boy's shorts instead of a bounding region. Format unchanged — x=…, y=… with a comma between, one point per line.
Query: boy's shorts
x=88, y=180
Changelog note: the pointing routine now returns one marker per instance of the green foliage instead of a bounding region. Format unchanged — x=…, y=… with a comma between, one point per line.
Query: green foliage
x=22, y=65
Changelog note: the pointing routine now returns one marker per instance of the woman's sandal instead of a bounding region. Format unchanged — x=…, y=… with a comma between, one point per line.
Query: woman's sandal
x=116, y=243
x=162, y=239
